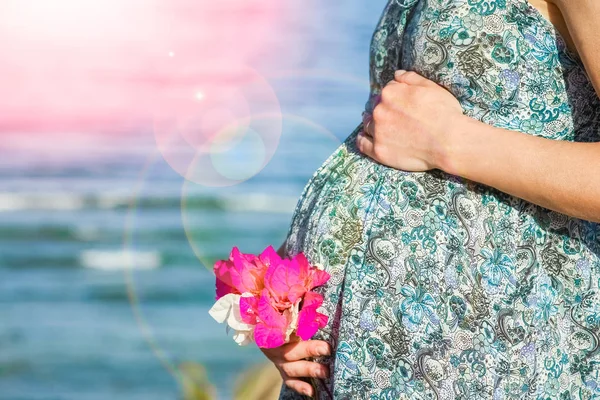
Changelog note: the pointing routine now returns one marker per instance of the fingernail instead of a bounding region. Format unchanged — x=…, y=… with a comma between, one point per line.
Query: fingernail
x=323, y=351
x=399, y=73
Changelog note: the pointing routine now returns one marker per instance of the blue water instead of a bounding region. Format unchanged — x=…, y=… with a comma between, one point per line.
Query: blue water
x=67, y=326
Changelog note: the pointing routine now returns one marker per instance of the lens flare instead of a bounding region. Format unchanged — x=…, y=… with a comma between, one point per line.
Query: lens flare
x=199, y=126
x=128, y=270
x=217, y=137
x=304, y=145
x=237, y=154
x=97, y=65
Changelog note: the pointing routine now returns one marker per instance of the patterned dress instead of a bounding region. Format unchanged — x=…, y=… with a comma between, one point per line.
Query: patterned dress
x=443, y=288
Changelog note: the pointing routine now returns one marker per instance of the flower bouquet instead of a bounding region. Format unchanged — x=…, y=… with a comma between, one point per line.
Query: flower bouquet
x=266, y=299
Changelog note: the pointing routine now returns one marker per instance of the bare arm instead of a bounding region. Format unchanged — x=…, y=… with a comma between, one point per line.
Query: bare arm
x=559, y=175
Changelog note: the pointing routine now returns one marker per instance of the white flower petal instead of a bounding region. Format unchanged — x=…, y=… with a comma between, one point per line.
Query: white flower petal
x=221, y=310
x=243, y=338
x=235, y=319
x=227, y=309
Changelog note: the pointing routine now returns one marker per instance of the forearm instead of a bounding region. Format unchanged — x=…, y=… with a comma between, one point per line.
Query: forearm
x=559, y=175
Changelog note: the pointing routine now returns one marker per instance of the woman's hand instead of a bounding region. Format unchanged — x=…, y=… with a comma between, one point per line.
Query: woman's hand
x=290, y=361
x=410, y=126
x=419, y=126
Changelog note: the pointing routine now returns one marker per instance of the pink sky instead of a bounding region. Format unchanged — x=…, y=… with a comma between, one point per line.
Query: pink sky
x=105, y=65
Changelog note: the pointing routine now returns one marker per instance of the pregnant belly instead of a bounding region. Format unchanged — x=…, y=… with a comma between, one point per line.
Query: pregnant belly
x=352, y=199
x=411, y=254
x=376, y=230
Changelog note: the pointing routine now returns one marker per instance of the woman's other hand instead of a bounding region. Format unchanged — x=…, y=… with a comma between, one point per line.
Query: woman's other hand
x=290, y=360
x=411, y=125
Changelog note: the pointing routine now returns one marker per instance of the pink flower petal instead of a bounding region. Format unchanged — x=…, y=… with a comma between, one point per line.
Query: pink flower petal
x=224, y=284
x=268, y=338
x=240, y=268
x=296, y=292
x=249, y=309
x=309, y=320
x=246, y=272
x=312, y=300
x=280, y=278
x=311, y=276
x=270, y=257
x=272, y=325
x=318, y=278
x=303, y=263
x=224, y=289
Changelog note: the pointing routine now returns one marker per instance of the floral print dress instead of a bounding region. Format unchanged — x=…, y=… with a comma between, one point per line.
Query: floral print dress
x=443, y=288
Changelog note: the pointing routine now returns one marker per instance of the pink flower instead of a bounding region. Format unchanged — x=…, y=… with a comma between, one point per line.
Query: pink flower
x=244, y=274
x=289, y=280
x=309, y=320
x=241, y=273
x=267, y=298
x=270, y=331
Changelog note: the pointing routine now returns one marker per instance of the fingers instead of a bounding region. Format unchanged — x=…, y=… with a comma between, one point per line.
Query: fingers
x=296, y=351
x=304, y=369
x=290, y=371
x=299, y=386
x=290, y=361
x=411, y=78
x=305, y=349
x=365, y=144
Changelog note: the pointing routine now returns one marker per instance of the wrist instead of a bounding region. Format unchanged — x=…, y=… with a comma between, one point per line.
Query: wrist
x=448, y=155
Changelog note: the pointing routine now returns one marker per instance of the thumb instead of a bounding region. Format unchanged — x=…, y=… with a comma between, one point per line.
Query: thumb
x=411, y=78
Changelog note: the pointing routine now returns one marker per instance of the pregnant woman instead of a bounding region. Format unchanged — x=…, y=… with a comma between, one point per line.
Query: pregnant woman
x=460, y=221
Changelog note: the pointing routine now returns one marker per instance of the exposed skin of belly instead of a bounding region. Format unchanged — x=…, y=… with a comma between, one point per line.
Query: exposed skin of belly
x=553, y=14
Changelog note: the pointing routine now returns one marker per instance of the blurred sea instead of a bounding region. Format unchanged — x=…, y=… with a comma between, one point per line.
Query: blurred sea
x=84, y=234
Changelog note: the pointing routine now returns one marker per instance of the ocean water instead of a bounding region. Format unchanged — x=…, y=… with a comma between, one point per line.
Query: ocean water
x=105, y=255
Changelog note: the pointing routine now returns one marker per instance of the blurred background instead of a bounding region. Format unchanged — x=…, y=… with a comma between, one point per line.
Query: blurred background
x=140, y=141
